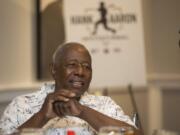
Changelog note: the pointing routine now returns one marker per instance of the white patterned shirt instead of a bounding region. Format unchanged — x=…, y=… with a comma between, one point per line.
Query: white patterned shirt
x=24, y=107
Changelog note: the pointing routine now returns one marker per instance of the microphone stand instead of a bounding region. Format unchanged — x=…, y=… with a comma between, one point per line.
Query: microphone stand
x=135, y=118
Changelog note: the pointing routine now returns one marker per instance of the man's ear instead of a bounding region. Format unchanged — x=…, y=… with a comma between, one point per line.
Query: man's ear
x=53, y=70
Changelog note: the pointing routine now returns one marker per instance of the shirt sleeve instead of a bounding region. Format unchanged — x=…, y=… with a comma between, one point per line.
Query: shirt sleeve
x=14, y=115
x=115, y=111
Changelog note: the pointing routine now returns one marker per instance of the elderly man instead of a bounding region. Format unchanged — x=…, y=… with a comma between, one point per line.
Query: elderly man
x=67, y=102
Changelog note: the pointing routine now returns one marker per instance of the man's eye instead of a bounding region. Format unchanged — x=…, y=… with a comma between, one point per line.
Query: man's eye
x=71, y=65
x=86, y=66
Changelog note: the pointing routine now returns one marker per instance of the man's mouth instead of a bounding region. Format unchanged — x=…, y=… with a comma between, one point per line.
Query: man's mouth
x=77, y=84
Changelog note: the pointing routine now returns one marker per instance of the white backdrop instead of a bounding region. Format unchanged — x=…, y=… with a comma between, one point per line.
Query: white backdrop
x=118, y=50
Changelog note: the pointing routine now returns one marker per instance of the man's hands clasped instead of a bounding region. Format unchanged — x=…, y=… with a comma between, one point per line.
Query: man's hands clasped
x=61, y=103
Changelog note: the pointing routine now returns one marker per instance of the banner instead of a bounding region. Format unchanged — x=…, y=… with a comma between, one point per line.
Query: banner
x=112, y=31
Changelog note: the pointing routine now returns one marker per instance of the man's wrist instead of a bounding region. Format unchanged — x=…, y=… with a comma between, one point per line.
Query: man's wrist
x=42, y=117
x=82, y=112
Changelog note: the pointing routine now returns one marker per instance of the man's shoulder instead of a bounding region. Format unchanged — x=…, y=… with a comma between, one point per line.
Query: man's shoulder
x=95, y=98
x=35, y=96
x=44, y=90
x=25, y=98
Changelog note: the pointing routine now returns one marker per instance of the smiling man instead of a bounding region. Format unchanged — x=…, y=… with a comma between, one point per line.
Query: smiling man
x=71, y=68
x=67, y=102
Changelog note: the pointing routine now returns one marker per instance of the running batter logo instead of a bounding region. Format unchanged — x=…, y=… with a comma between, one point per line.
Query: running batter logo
x=103, y=19
x=104, y=23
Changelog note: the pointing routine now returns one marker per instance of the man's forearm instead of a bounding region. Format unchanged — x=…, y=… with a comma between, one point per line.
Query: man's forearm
x=98, y=120
x=36, y=121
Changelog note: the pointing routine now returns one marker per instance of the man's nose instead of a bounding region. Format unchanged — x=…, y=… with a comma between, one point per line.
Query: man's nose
x=80, y=70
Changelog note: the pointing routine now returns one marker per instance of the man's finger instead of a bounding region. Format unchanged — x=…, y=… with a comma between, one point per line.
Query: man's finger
x=65, y=93
x=56, y=109
x=61, y=98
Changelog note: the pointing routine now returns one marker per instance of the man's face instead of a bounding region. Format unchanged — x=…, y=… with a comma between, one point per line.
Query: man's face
x=74, y=71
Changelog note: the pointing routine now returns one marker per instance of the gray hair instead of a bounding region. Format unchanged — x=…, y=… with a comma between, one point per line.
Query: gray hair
x=59, y=52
